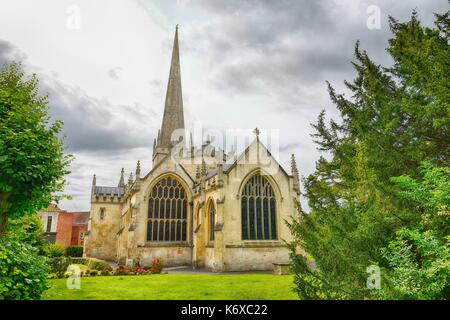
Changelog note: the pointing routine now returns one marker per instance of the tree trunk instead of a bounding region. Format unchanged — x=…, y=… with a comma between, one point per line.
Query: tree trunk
x=4, y=205
x=3, y=223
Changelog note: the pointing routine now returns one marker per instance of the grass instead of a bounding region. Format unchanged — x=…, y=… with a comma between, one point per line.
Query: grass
x=177, y=287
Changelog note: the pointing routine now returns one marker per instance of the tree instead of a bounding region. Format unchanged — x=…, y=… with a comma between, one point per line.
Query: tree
x=27, y=229
x=419, y=256
x=396, y=118
x=32, y=159
x=23, y=269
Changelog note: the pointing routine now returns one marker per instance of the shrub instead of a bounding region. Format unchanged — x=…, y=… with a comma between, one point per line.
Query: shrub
x=74, y=251
x=59, y=265
x=53, y=250
x=156, y=266
x=122, y=270
x=23, y=272
x=52, y=276
x=98, y=264
x=94, y=273
x=105, y=272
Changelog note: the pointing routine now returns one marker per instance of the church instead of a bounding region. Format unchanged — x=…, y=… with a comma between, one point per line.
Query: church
x=198, y=206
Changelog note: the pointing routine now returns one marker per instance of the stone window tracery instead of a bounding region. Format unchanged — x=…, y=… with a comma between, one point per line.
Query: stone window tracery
x=167, y=211
x=258, y=210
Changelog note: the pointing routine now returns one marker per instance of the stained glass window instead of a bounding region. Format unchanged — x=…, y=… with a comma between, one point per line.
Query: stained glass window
x=212, y=221
x=258, y=210
x=167, y=214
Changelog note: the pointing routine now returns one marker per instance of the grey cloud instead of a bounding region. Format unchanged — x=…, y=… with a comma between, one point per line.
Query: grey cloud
x=9, y=53
x=90, y=124
x=278, y=47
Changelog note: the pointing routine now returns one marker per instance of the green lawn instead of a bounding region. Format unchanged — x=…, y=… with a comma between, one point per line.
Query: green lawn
x=177, y=286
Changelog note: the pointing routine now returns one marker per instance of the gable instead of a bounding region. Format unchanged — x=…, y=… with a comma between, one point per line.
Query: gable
x=257, y=154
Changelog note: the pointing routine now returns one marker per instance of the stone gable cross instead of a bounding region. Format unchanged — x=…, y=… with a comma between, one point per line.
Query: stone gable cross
x=256, y=132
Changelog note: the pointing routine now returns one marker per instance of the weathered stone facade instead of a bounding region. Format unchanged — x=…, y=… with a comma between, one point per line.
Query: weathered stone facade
x=214, y=212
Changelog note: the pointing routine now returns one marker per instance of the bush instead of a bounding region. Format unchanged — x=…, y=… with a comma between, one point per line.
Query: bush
x=74, y=251
x=122, y=270
x=54, y=250
x=94, y=273
x=105, y=272
x=59, y=265
x=98, y=264
x=23, y=272
x=156, y=266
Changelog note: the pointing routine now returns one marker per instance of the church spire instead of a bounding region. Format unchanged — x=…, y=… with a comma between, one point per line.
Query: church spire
x=173, y=117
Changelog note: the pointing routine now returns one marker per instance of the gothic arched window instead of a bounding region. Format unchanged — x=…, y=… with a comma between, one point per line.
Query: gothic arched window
x=167, y=211
x=258, y=208
x=212, y=221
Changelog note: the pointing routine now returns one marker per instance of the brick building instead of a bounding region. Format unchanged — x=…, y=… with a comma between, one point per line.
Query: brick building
x=64, y=227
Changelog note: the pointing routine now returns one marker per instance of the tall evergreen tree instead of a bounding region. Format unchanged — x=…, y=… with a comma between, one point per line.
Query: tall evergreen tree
x=396, y=118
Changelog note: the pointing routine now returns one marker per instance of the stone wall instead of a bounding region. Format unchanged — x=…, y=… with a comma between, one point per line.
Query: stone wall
x=102, y=239
x=170, y=255
x=262, y=258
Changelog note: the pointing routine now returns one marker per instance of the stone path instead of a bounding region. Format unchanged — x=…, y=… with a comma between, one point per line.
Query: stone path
x=190, y=270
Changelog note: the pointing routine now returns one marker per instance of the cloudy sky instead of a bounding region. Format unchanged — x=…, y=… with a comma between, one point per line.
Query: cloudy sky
x=244, y=64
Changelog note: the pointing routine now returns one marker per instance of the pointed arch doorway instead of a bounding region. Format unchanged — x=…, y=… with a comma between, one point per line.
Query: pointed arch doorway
x=200, y=243
x=204, y=233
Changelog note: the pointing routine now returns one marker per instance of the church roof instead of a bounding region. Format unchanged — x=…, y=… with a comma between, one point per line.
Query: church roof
x=120, y=191
x=227, y=167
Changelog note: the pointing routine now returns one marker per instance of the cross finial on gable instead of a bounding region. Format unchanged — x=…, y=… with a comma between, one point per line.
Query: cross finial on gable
x=256, y=132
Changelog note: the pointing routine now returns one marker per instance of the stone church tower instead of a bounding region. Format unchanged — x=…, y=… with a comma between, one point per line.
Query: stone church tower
x=197, y=206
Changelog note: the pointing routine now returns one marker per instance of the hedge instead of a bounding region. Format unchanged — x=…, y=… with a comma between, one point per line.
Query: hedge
x=74, y=251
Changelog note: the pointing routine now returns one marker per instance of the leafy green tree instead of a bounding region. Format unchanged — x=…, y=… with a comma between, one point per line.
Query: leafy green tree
x=396, y=118
x=27, y=229
x=32, y=159
x=23, y=273
x=419, y=256
x=23, y=269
